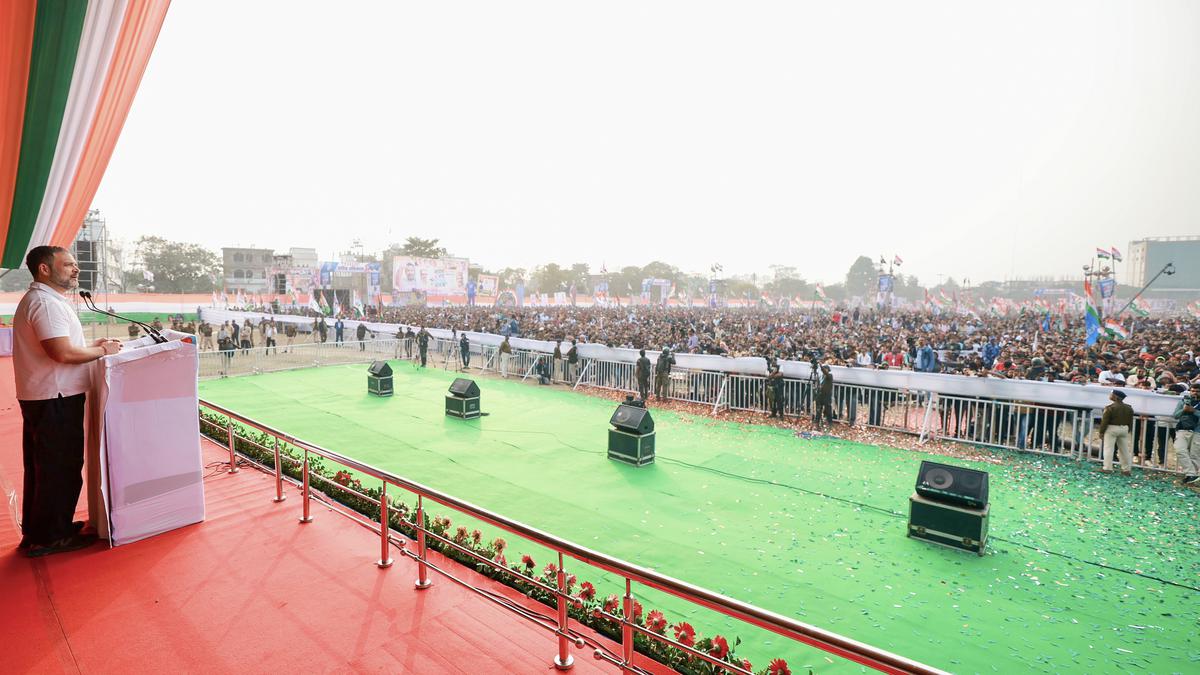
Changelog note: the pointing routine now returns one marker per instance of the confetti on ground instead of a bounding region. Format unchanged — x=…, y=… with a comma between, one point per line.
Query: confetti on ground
x=1084, y=572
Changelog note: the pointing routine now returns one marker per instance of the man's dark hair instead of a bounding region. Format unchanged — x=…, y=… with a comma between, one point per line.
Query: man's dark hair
x=41, y=255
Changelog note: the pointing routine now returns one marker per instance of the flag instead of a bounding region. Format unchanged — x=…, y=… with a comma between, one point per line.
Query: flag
x=148, y=275
x=1091, y=317
x=897, y=262
x=821, y=292
x=1140, y=307
x=359, y=310
x=312, y=301
x=1115, y=329
x=214, y=299
x=1194, y=309
x=224, y=300
x=1116, y=255
x=240, y=300
x=336, y=309
x=1102, y=253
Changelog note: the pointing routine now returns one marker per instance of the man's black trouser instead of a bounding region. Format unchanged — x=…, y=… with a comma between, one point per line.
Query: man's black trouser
x=423, y=352
x=53, y=454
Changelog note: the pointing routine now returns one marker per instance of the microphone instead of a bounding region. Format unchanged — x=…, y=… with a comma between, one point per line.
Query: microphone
x=87, y=300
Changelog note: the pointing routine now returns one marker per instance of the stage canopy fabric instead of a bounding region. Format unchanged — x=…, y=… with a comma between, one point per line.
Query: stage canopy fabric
x=68, y=72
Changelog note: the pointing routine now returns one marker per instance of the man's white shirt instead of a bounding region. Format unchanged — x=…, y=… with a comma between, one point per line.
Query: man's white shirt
x=43, y=314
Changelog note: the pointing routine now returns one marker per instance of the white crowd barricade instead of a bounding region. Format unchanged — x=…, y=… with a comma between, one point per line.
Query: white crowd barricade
x=1048, y=417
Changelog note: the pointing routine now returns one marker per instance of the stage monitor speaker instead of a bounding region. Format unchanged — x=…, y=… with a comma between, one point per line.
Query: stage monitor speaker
x=464, y=388
x=632, y=419
x=380, y=369
x=953, y=484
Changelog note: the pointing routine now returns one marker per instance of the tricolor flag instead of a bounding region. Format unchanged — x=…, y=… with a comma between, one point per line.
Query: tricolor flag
x=1194, y=309
x=359, y=310
x=1103, y=253
x=1091, y=317
x=70, y=72
x=1115, y=329
x=897, y=262
x=1116, y=255
x=821, y=292
x=1140, y=307
x=224, y=300
x=239, y=300
x=312, y=301
x=214, y=299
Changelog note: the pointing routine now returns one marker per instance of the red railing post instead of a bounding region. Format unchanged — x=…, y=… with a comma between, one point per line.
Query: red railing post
x=423, y=581
x=385, y=558
x=233, y=467
x=564, y=660
x=627, y=628
x=279, y=496
x=307, y=517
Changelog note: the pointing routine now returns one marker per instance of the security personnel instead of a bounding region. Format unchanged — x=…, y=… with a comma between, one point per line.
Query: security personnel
x=642, y=371
x=775, y=391
x=423, y=344
x=409, y=337
x=1115, y=424
x=662, y=373
x=572, y=359
x=361, y=334
x=464, y=350
x=824, y=398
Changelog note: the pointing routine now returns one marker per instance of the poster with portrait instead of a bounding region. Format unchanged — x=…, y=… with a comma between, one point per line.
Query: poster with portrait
x=489, y=284
x=437, y=276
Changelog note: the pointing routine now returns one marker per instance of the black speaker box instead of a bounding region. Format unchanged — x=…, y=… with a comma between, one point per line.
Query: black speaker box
x=464, y=388
x=380, y=369
x=632, y=419
x=953, y=484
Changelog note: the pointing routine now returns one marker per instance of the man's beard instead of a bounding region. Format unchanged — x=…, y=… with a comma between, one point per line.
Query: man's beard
x=66, y=281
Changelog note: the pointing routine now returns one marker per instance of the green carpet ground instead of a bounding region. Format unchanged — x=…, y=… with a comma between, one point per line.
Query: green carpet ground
x=808, y=528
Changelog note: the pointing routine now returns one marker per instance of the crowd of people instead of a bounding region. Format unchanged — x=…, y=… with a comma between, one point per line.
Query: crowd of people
x=1159, y=354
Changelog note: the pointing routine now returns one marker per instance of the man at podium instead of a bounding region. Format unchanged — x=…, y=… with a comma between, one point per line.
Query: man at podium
x=49, y=357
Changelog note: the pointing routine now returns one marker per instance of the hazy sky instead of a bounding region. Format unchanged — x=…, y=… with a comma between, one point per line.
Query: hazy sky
x=972, y=139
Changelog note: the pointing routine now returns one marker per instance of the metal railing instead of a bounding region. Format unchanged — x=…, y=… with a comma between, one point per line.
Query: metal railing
x=999, y=423
x=630, y=573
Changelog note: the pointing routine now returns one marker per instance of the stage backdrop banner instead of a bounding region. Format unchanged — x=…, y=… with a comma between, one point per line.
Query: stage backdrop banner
x=146, y=457
x=438, y=276
x=489, y=285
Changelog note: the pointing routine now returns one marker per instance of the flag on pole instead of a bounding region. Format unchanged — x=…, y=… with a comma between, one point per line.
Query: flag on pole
x=1091, y=317
x=897, y=262
x=1103, y=253
x=1116, y=255
x=312, y=301
x=359, y=310
x=821, y=292
x=336, y=309
x=240, y=300
x=1140, y=307
x=214, y=299
x=224, y=300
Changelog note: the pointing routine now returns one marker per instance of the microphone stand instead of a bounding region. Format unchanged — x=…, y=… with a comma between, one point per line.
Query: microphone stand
x=154, y=334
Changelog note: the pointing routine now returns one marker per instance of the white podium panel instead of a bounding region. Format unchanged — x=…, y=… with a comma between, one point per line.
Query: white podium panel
x=148, y=464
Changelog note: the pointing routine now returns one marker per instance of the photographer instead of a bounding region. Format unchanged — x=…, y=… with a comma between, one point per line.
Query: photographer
x=1187, y=441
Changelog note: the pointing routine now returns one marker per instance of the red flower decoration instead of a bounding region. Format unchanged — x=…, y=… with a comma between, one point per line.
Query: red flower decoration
x=571, y=579
x=720, y=647
x=610, y=604
x=779, y=667
x=587, y=591
x=527, y=561
x=500, y=560
x=551, y=570
x=498, y=544
x=460, y=535
x=656, y=622
x=685, y=634
x=747, y=665
x=637, y=611
x=476, y=536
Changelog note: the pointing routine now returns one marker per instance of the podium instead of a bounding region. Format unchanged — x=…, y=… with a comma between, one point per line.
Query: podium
x=144, y=468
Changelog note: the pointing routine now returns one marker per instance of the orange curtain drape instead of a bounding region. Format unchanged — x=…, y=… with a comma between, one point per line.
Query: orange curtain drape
x=16, y=46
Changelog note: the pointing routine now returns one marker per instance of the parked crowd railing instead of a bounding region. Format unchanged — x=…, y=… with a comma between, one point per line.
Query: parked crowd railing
x=390, y=484
x=994, y=422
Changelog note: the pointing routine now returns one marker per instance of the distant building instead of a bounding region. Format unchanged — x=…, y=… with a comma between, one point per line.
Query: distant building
x=246, y=269
x=1148, y=256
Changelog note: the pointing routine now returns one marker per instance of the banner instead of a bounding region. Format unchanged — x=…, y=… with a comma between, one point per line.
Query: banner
x=1107, y=286
x=442, y=276
x=489, y=284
